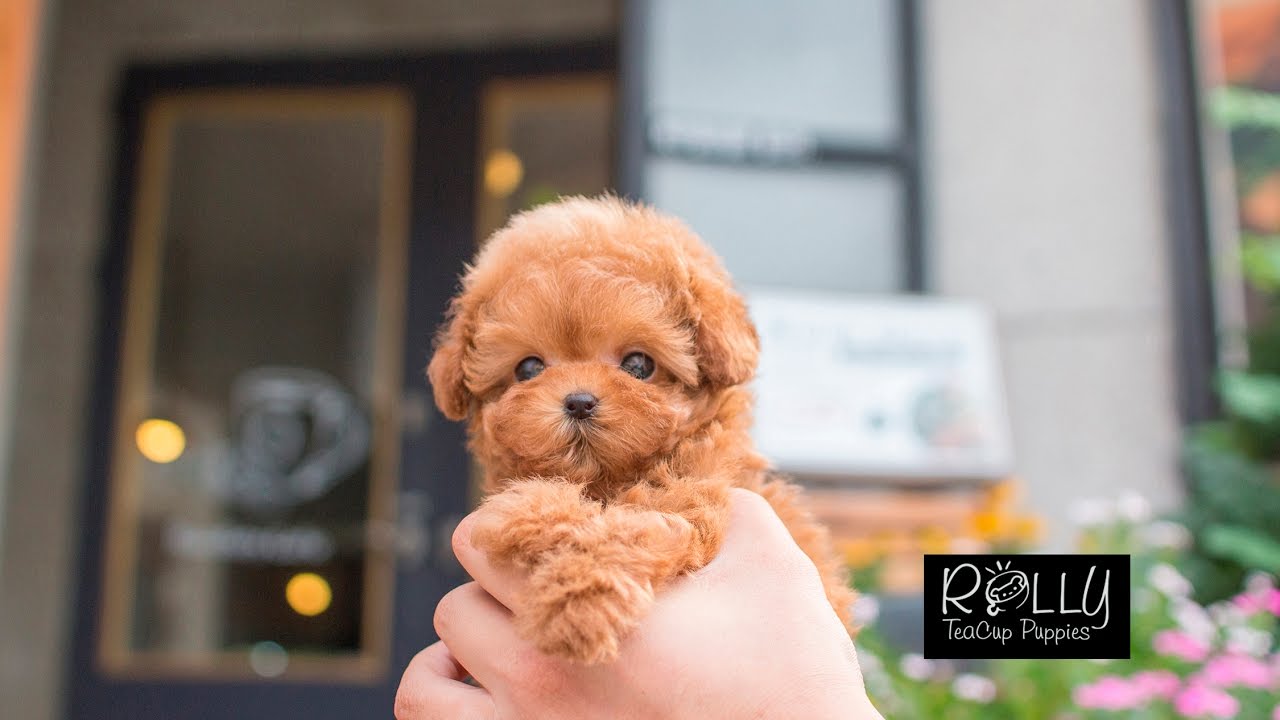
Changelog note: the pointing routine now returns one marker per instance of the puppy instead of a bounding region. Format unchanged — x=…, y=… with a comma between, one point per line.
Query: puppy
x=599, y=352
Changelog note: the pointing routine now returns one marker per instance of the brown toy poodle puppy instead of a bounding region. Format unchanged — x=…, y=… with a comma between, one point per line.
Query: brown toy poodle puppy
x=599, y=354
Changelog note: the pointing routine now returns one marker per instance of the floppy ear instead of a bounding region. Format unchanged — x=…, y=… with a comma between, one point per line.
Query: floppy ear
x=448, y=382
x=726, y=340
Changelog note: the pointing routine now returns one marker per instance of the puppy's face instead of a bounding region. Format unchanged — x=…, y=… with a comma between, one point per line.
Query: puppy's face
x=589, y=340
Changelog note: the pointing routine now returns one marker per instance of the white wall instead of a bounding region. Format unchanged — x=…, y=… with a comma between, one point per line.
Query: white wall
x=1044, y=181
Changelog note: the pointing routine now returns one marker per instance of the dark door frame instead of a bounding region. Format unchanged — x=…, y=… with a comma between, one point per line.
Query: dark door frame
x=1187, y=211
x=446, y=92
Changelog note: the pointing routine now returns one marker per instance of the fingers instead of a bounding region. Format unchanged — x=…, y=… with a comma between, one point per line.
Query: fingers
x=432, y=689
x=503, y=582
x=479, y=632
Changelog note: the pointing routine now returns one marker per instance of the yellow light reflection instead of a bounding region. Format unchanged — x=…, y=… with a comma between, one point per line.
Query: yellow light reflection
x=503, y=172
x=160, y=441
x=308, y=594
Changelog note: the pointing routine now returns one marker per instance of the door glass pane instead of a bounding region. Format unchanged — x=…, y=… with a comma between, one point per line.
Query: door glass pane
x=775, y=130
x=827, y=67
x=542, y=138
x=256, y=450
x=815, y=227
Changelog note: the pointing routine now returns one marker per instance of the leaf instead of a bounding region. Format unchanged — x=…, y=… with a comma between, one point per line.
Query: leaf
x=1236, y=107
x=1251, y=397
x=1260, y=257
x=1246, y=547
x=1226, y=486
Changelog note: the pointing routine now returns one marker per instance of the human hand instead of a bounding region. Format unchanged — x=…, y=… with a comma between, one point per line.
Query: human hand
x=749, y=636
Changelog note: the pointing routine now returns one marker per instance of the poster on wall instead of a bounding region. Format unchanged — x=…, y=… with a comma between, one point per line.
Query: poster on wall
x=879, y=388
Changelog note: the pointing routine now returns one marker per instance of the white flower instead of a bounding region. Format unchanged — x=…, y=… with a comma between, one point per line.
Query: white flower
x=916, y=667
x=1168, y=581
x=977, y=688
x=866, y=609
x=1227, y=615
x=1163, y=534
x=1258, y=583
x=1089, y=512
x=868, y=661
x=1133, y=507
x=1171, y=583
x=873, y=674
x=1249, y=641
x=1194, y=620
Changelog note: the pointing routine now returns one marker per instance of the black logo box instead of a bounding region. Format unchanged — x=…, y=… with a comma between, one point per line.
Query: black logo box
x=1026, y=607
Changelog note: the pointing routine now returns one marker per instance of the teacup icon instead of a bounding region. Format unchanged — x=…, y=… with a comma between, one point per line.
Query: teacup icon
x=1004, y=589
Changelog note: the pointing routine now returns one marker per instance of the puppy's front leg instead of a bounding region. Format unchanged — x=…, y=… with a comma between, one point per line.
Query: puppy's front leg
x=529, y=518
x=594, y=568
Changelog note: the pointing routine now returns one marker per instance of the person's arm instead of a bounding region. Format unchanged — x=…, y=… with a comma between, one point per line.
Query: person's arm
x=749, y=636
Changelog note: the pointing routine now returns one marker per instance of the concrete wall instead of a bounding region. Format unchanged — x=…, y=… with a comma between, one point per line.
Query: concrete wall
x=1045, y=177
x=90, y=42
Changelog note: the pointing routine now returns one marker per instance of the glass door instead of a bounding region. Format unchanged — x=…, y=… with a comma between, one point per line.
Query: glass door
x=254, y=452
x=270, y=493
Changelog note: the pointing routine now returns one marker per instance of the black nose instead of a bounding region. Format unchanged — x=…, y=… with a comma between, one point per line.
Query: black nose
x=580, y=405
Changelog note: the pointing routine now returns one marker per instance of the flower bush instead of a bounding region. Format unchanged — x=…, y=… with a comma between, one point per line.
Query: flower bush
x=1186, y=660
x=1215, y=662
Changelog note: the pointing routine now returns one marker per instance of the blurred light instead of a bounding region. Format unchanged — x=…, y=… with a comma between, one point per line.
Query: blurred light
x=268, y=659
x=503, y=172
x=308, y=594
x=160, y=441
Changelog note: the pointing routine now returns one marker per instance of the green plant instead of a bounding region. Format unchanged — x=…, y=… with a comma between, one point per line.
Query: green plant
x=1231, y=464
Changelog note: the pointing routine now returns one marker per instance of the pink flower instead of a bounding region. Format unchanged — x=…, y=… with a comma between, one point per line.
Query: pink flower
x=1176, y=643
x=1160, y=684
x=1109, y=692
x=1267, y=600
x=1199, y=701
x=1248, y=602
x=1275, y=714
x=1231, y=670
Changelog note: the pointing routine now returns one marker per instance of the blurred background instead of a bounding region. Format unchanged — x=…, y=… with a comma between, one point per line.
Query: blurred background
x=1013, y=263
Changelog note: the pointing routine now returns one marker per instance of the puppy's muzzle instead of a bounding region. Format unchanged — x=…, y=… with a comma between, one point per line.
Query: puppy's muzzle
x=580, y=405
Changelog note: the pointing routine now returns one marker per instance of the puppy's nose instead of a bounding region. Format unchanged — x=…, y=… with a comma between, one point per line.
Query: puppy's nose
x=580, y=405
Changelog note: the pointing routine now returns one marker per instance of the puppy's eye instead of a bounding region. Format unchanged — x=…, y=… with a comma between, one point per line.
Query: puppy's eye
x=529, y=368
x=638, y=365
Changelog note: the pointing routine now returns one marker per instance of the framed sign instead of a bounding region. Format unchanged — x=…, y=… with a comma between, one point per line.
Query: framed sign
x=886, y=388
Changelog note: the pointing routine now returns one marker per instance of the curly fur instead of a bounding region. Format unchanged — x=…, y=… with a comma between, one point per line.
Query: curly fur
x=602, y=513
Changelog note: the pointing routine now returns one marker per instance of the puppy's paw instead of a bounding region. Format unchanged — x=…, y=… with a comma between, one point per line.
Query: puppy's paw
x=530, y=518
x=578, y=610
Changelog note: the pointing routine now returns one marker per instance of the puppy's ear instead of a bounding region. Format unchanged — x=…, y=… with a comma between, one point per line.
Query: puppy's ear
x=727, y=344
x=448, y=382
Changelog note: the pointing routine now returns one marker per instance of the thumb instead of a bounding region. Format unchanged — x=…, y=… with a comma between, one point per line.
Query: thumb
x=755, y=536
